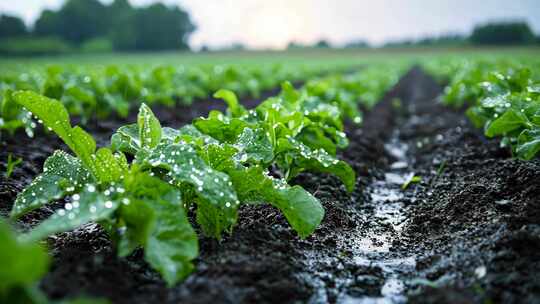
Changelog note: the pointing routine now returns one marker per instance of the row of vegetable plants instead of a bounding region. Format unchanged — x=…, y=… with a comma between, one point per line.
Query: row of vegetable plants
x=502, y=96
x=101, y=91
x=142, y=186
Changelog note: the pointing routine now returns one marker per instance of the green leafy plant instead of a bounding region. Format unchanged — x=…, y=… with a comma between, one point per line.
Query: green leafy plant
x=231, y=155
x=99, y=92
x=11, y=164
x=503, y=98
x=23, y=265
x=213, y=166
x=510, y=107
x=136, y=208
x=410, y=178
x=12, y=116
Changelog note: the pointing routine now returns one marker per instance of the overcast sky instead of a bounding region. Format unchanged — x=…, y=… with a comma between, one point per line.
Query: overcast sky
x=273, y=23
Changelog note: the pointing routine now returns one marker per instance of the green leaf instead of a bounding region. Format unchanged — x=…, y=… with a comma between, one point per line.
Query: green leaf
x=138, y=219
x=289, y=93
x=91, y=206
x=319, y=160
x=61, y=175
x=494, y=101
x=255, y=145
x=9, y=109
x=303, y=211
x=219, y=157
x=173, y=243
x=22, y=263
x=410, y=179
x=29, y=293
x=126, y=139
x=51, y=112
x=83, y=145
x=161, y=226
x=149, y=127
x=213, y=188
x=509, y=121
x=315, y=138
x=528, y=144
x=188, y=134
x=220, y=127
x=235, y=108
x=477, y=116
x=54, y=115
x=109, y=167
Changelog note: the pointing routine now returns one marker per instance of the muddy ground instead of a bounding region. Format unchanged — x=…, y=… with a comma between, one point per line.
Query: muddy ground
x=468, y=232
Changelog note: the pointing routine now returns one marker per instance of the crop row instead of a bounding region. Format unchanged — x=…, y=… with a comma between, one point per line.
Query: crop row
x=502, y=97
x=101, y=91
x=141, y=187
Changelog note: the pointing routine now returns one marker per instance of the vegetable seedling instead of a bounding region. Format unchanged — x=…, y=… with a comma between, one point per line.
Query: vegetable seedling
x=11, y=164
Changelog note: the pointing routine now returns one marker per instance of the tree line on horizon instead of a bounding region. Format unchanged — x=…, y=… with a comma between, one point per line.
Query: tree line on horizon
x=90, y=25
x=502, y=33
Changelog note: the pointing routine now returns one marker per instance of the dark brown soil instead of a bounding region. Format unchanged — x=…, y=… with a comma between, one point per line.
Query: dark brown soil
x=469, y=232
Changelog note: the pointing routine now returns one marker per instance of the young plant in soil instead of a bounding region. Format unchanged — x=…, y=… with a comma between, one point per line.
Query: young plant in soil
x=23, y=265
x=11, y=164
x=97, y=93
x=243, y=146
x=503, y=99
x=211, y=166
x=136, y=208
x=13, y=117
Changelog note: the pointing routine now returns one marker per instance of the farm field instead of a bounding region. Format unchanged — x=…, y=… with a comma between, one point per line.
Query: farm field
x=305, y=176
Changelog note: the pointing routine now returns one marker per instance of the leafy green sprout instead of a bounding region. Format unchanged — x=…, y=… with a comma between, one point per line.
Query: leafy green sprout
x=23, y=265
x=11, y=164
x=411, y=178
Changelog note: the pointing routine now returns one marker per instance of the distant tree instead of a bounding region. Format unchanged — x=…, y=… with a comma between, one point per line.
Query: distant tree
x=11, y=26
x=48, y=24
x=502, y=33
x=83, y=20
x=358, y=44
x=237, y=46
x=444, y=40
x=121, y=25
x=293, y=45
x=399, y=43
x=118, y=7
x=322, y=44
x=76, y=21
x=154, y=27
x=158, y=27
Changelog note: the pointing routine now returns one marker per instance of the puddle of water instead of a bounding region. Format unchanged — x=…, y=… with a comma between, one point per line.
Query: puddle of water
x=394, y=178
x=374, y=249
x=399, y=165
x=397, y=148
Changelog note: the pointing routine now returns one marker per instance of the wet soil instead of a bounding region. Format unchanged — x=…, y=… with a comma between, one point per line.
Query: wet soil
x=468, y=232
